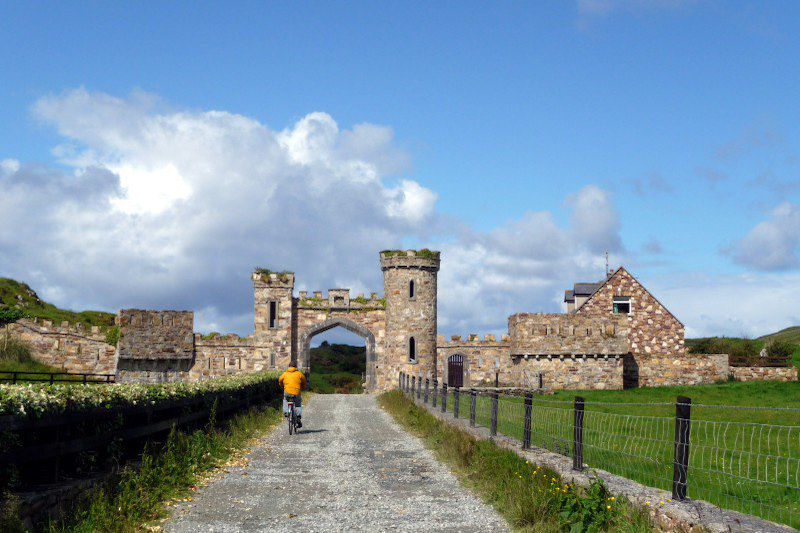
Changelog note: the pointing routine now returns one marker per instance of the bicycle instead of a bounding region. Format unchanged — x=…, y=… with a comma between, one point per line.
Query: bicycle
x=292, y=418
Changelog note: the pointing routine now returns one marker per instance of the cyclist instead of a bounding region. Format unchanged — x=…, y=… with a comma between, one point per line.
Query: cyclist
x=293, y=382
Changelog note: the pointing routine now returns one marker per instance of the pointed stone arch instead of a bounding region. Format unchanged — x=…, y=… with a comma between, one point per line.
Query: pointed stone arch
x=304, y=357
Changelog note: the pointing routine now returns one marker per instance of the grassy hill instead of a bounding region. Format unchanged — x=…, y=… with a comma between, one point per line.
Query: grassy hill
x=791, y=335
x=337, y=368
x=19, y=295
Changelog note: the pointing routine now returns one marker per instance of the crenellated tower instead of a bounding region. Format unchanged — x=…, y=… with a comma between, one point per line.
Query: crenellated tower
x=273, y=317
x=410, y=285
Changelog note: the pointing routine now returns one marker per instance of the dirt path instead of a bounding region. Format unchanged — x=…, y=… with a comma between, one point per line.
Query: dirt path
x=351, y=468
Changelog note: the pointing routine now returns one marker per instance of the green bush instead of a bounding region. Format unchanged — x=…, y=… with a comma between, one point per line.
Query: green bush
x=780, y=348
x=112, y=336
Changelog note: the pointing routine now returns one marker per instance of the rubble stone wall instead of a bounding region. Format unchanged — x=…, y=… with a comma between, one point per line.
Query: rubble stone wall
x=757, y=373
x=676, y=370
x=70, y=348
x=541, y=334
x=155, y=346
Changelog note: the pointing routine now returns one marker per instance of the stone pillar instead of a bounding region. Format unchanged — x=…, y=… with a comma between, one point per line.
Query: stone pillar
x=410, y=285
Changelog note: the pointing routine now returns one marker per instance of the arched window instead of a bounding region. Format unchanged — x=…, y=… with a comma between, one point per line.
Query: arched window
x=412, y=349
x=411, y=289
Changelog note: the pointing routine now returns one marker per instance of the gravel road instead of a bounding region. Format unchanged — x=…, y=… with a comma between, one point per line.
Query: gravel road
x=351, y=468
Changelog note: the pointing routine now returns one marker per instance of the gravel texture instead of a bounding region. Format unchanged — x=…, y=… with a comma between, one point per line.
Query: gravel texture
x=351, y=468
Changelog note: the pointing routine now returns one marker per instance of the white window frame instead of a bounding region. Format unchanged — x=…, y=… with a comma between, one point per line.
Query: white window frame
x=621, y=300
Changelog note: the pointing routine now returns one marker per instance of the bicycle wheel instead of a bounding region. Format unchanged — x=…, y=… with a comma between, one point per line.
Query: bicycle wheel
x=291, y=421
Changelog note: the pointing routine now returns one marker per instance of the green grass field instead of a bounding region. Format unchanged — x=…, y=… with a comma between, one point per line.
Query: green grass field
x=742, y=459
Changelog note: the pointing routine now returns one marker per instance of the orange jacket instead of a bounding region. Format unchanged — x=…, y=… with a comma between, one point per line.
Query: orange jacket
x=293, y=381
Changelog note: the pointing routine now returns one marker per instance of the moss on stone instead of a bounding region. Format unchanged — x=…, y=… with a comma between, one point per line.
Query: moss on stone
x=424, y=253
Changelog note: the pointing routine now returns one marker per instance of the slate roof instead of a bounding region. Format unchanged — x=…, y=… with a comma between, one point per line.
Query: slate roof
x=586, y=289
x=569, y=296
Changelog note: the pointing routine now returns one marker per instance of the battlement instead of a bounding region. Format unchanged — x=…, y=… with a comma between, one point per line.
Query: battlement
x=263, y=277
x=472, y=340
x=155, y=335
x=422, y=259
x=543, y=334
x=339, y=299
x=46, y=327
x=216, y=339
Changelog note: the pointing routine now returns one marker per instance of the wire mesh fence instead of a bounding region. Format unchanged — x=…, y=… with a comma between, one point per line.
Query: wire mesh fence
x=745, y=459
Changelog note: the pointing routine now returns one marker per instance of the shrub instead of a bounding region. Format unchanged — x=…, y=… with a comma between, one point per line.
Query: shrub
x=112, y=336
x=780, y=348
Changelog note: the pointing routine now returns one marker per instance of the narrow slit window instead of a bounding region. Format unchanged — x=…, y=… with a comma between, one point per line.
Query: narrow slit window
x=622, y=305
x=412, y=349
x=273, y=314
x=411, y=289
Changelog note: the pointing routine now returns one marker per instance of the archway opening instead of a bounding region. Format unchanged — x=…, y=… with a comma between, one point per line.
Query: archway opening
x=337, y=354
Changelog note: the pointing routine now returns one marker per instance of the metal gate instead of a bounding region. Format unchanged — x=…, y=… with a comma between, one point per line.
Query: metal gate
x=455, y=371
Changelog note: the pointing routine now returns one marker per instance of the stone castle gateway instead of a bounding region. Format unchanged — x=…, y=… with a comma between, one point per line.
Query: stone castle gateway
x=615, y=334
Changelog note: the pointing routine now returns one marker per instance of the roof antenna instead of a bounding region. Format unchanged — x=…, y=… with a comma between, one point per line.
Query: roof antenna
x=608, y=272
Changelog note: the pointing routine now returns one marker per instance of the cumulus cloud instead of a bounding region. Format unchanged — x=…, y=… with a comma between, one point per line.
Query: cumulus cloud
x=157, y=207
x=772, y=244
x=172, y=208
x=526, y=264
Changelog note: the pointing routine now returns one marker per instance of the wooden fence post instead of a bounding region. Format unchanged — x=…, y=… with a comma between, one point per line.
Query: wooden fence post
x=456, y=396
x=435, y=391
x=419, y=386
x=473, y=404
x=683, y=426
x=427, y=386
x=577, y=435
x=444, y=397
x=526, y=435
x=413, y=384
x=493, y=424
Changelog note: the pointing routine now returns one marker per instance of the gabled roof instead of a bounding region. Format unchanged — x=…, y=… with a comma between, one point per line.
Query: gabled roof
x=612, y=276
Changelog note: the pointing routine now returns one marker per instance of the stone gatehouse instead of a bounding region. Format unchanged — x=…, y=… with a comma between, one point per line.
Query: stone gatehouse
x=614, y=334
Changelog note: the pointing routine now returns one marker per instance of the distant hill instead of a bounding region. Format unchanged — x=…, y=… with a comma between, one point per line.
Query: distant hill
x=20, y=295
x=791, y=334
x=337, y=368
x=746, y=347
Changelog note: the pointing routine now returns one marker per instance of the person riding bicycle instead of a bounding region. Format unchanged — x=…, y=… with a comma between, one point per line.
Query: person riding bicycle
x=293, y=382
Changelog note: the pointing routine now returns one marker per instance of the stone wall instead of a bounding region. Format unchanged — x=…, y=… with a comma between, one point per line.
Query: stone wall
x=155, y=346
x=579, y=372
x=676, y=370
x=758, y=373
x=67, y=347
x=223, y=355
x=481, y=359
x=541, y=334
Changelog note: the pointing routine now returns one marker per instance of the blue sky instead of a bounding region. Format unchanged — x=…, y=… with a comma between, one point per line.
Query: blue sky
x=675, y=123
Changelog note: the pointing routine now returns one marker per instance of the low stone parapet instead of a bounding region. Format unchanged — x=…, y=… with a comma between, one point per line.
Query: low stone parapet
x=760, y=373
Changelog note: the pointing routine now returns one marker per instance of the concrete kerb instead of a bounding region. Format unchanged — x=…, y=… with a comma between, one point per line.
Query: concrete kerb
x=690, y=516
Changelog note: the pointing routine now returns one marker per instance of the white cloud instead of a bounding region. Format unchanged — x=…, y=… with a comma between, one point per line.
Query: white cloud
x=9, y=166
x=772, y=244
x=743, y=305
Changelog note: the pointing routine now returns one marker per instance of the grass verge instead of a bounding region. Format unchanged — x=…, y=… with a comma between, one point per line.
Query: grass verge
x=529, y=497
x=143, y=493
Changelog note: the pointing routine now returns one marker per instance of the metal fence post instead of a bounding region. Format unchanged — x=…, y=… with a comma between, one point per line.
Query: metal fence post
x=526, y=433
x=493, y=425
x=456, y=396
x=427, y=386
x=444, y=397
x=419, y=386
x=683, y=425
x=577, y=435
x=473, y=404
x=435, y=391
